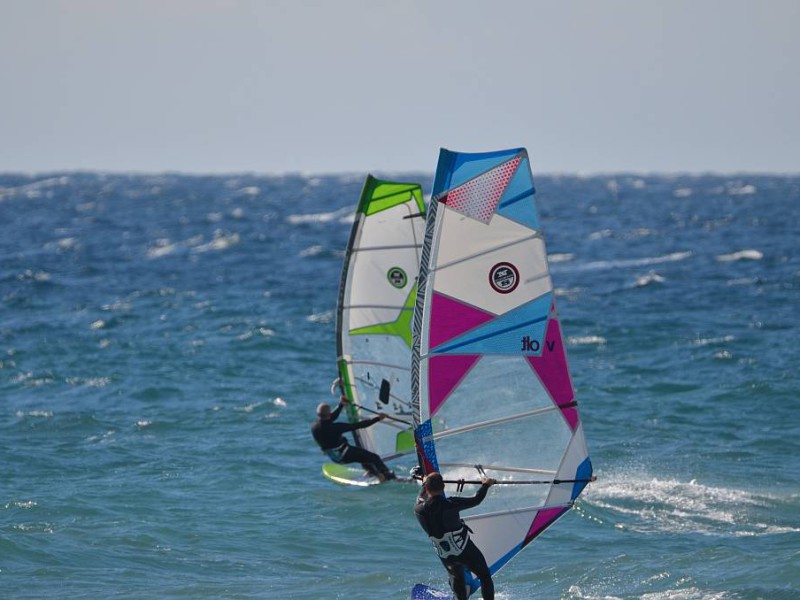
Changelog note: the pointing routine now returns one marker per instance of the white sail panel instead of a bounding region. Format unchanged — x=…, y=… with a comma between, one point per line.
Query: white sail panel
x=376, y=303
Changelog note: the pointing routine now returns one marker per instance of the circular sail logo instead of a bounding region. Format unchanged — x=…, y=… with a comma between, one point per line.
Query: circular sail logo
x=397, y=277
x=504, y=278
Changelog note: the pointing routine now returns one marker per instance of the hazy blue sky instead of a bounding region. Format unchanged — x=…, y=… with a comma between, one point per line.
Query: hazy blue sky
x=374, y=85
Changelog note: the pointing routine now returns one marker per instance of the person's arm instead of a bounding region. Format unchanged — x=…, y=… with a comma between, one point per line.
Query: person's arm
x=336, y=412
x=464, y=503
x=368, y=422
x=419, y=511
x=341, y=428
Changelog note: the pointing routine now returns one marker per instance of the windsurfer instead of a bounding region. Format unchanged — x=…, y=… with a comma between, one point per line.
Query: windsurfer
x=440, y=518
x=329, y=436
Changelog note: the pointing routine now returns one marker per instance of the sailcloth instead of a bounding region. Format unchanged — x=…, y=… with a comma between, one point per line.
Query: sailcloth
x=490, y=381
x=376, y=304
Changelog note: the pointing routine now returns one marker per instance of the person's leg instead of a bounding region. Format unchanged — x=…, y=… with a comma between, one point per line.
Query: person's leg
x=475, y=561
x=458, y=582
x=371, y=462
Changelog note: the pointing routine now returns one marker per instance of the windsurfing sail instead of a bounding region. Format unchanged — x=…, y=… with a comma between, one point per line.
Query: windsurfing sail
x=376, y=304
x=490, y=383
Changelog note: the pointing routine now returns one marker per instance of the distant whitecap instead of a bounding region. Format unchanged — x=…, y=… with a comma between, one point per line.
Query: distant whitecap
x=744, y=281
x=738, y=189
x=162, y=248
x=323, y=317
x=586, y=340
x=312, y=251
x=67, y=243
x=39, y=414
x=324, y=217
x=713, y=340
x=221, y=241
x=601, y=265
x=649, y=278
x=599, y=235
x=741, y=255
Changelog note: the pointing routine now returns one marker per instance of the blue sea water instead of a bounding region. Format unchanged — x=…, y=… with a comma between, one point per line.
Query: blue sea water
x=164, y=340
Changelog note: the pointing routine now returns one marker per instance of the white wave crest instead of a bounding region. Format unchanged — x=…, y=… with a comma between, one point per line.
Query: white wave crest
x=750, y=254
x=599, y=235
x=163, y=247
x=39, y=414
x=649, y=278
x=586, y=340
x=325, y=217
x=739, y=189
x=323, y=317
x=577, y=592
x=713, y=340
x=221, y=241
x=312, y=251
x=600, y=265
x=646, y=505
x=743, y=281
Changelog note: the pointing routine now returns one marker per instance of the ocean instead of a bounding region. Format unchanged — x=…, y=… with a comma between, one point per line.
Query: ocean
x=164, y=340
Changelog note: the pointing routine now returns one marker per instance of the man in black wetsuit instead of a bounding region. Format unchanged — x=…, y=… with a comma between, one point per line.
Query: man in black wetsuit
x=439, y=517
x=329, y=436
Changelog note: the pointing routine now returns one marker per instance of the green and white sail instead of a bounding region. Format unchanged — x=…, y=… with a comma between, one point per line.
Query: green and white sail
x=375, y=312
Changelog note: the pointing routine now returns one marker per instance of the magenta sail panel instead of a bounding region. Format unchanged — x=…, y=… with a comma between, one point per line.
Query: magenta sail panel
x=542, y=520
x=445, y=372
x=450, y=318
x=551, y=368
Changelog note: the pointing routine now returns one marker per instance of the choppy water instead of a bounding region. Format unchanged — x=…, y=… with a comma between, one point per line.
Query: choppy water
x=164, y=339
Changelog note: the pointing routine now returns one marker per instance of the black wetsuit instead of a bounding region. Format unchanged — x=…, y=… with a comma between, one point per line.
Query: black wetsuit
x=439, y=515
x=329, y=436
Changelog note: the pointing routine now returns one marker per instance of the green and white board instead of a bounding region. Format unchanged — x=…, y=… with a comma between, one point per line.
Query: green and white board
x=353, y=474
x=348, y=474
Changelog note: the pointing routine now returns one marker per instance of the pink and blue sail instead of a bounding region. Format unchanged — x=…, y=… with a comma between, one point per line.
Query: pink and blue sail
x=491, y=387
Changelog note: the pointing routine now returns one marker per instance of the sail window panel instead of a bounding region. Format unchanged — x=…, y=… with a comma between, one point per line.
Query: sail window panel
x=539, y=442
x=497, y=534
x=382, y=358
x=496, y=387
x=487, y=406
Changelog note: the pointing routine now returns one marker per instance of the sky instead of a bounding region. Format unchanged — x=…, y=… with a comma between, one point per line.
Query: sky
x=357, y=86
